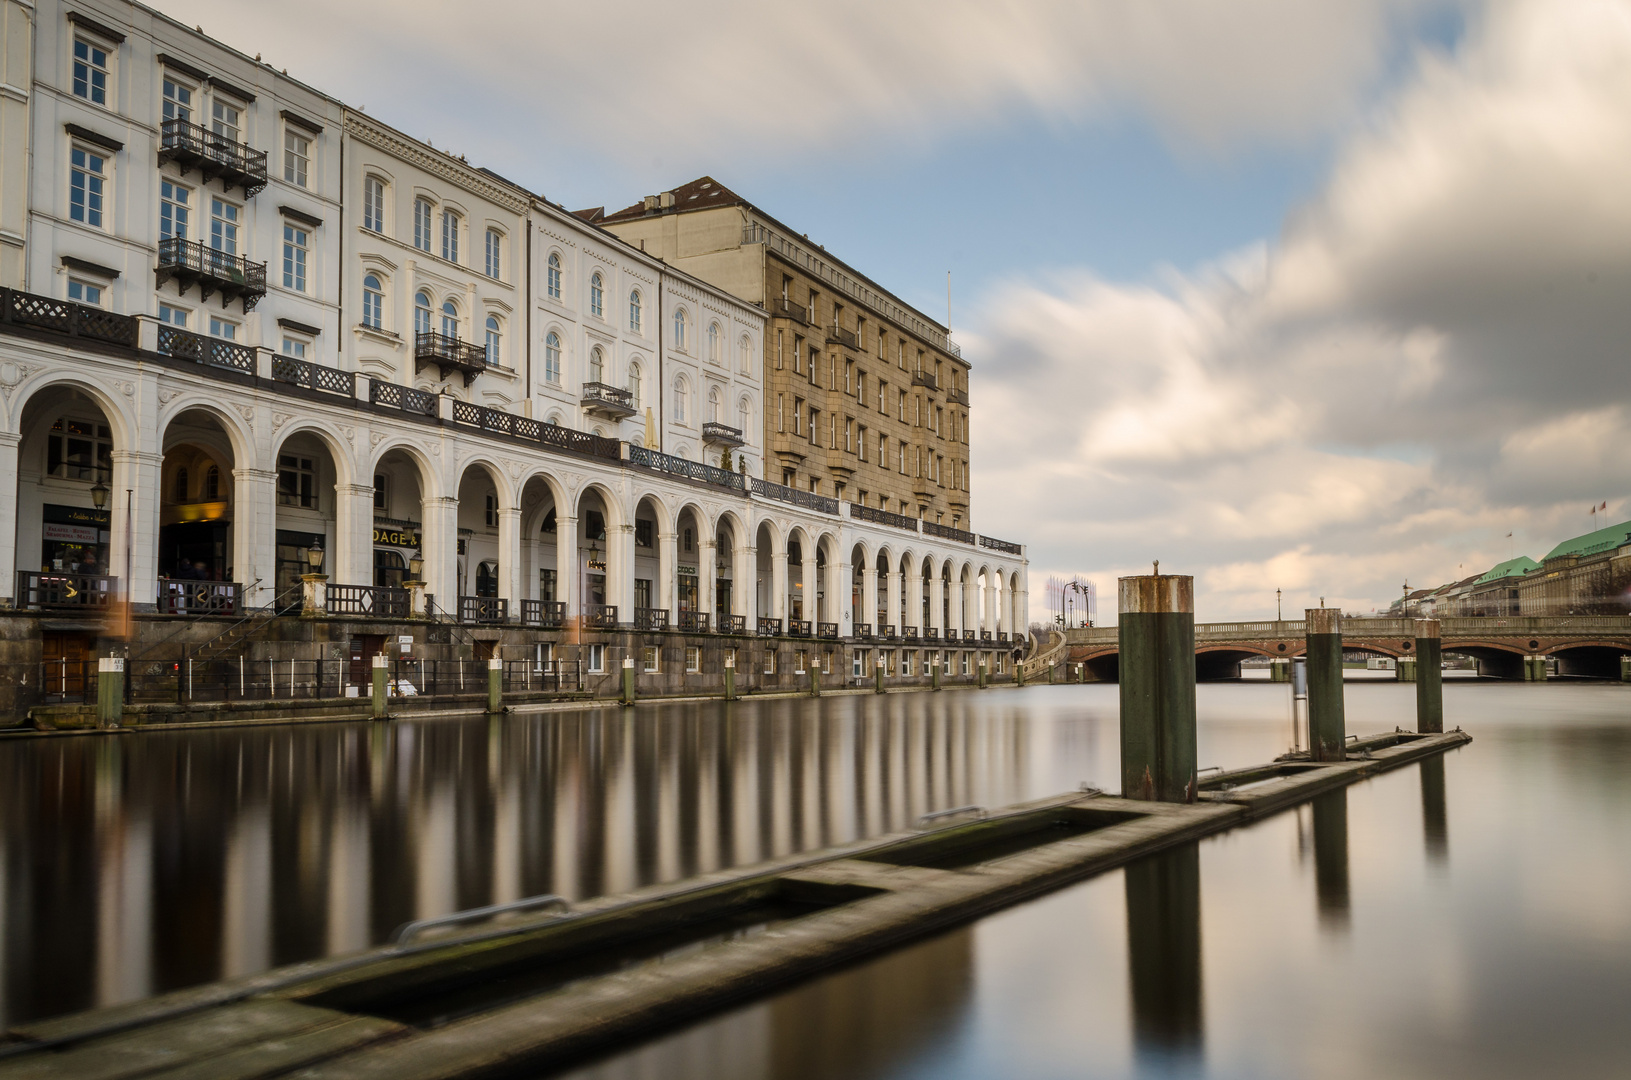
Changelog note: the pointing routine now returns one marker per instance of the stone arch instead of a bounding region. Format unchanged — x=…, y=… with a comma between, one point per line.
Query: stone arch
x=107, y=396
x=240, y=435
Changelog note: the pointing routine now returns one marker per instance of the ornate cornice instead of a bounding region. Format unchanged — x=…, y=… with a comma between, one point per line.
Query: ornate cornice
x=432, y=161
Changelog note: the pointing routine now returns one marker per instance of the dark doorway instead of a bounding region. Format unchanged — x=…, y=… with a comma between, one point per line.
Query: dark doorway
x=364, y=647
x=194, y=550
x=64, y=662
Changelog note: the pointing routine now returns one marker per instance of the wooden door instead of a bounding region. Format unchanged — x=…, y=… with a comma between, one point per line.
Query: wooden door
x=64, y=661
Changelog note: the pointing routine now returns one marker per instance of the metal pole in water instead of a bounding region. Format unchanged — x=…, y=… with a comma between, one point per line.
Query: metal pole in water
x=110, y=690
x=880, y=673
x=1429, y=677
x=1156, y=634
x=1326, y=728
x=628, y=680
x=379, y=686
x=815, y=679
x=1299, y=699
x=730, y=676
x=495, y=683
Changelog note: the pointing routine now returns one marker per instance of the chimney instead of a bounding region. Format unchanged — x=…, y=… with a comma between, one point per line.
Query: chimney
x=651, y=203
x=666, y=200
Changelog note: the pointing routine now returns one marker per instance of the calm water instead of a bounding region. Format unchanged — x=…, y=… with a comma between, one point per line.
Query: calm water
x=1467, y=918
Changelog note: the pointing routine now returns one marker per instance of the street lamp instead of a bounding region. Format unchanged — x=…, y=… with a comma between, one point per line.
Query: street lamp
x=314, y=557
x=416, y=567
x=99, y=495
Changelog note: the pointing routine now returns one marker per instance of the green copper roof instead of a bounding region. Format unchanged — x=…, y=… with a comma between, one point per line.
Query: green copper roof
x=1511, y=568
x=1594, y=543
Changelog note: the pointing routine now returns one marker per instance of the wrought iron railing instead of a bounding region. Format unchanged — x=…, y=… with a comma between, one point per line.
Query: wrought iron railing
x=799, y=628
x=882, y=517
x=545, y=613
x=925, y=378
x=67, y=592
x=721, y=433
x=406, y=398
x=676, y=466
x=931, y=633
x=809, y=500
x=887, y=631
x=985, y=635
x=694, y=621
x=192, y=261
x=957, y=397
x=304, y=373
x=649, y=618
x=600, y=616
x=442, y=349
x=999, y=545
x=946, y=532
x=733, y=624
x=908, y=633
x=863, y=630
x=968, y=635
x=599, y=393
x=826, y=630
x=782, y=308
x=29, y=309
x=484, y=609
x=837, y=335
x=769, y=627
x=192, y=144
x=1002, y=635
x=372, y=601
x=185, y=596
x=184, y=345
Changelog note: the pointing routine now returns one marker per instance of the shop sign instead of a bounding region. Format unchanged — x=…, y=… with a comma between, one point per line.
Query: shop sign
x=402, y=538
x=597, y=564
x=73, y=534
x=76, y=515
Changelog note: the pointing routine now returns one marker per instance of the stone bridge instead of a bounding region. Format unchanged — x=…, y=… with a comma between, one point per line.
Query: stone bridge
x=1586, y=645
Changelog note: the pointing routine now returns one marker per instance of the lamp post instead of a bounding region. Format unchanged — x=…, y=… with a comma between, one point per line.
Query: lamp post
x=314, y=598
x=1278, y=616
x=416, y=584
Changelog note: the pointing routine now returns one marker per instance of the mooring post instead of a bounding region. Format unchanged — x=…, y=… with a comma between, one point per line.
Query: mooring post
x=1050, y=672
x=1429, y=677
x=730, y=676
x=1019, y=671
x=980, y=671
x=934, y=670
x=1536, y=668
x=1280, y=669
x=1625, y=669
x=628, y=681
x=1405, y=669
x=879, y=670
x=110, y=690
x=379, y=685
x=815, y=679
x=1157, y=642
x=495, y=685
x=1326, y=727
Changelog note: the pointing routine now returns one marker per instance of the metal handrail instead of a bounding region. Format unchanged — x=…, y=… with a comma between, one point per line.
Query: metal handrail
x=408, y=931
x=953, y=812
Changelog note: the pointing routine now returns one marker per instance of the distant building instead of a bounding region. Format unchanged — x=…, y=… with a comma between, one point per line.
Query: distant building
x=1588, y=575
x=1495, y=592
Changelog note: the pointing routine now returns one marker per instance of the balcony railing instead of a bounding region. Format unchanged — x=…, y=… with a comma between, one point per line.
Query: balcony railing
x=695, y=622
x=809, y=500
x=184, y=345
x=999, y=545
x=29, y=309
x=184, y=596
x=882, y=517
x=837, y=335
x=863, y=630
x=611, y=402
x=650, y=618
x=985, y=635
x=190, y=263
x=721, y=434
x=799, y=628
x=535, y=431
x=484, y=609
x=968, y=635
x=887, y=631
x=733, y=624
x=908, y=633
x=369, y=601
x=826, y=630
x=946, y=532
x=1002, y=635
x=448, y=355
x=600, y=616
x=693, y=470
x=549, y=614
x=195, y=146
x=925, y=378
x=65, y=592
x=956, y=396
x=781, y=308
x=769, y=627
x=931, y=633
x=304, y=373
x=406, y=398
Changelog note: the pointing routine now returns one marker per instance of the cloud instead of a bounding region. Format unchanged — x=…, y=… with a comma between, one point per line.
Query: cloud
x=1431, y=355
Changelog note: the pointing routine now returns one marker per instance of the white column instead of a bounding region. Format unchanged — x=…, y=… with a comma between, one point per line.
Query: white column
x=668, y=557
x=891, y=585
x=441, y=537
x=936, y=602
x=988, y=617
x=254, y=534
x=510, y=578
x=620, y=570
x=353, y=559
x=778, y=584
x=745, y=584
x=136, y=484
x=869, y=595
x=840, y=593
x=8, y=513
x=812, y=588
x=566, y=564
x=707, y=569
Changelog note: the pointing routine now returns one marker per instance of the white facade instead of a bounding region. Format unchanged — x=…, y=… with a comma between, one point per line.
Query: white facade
x=591, y=458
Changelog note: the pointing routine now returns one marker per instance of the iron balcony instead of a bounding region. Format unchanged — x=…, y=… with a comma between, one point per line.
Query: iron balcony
x=449, y=354
x=721, y=434
x=190, y=262
x=608, y=402
x=193, y=146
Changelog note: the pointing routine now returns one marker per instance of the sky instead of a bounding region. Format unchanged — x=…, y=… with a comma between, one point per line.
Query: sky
x=1321, y=298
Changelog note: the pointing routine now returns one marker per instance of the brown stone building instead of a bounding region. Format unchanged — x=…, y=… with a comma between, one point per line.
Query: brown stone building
x=865, y=398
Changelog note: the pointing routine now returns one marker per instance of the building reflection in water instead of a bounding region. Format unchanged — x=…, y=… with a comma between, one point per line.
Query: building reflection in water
x=1164, y=958
x=1434, y=814
x=1331, y=858
x=135, y=865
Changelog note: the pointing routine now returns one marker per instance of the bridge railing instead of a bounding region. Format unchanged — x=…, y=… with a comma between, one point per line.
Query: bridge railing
x=1357, y=629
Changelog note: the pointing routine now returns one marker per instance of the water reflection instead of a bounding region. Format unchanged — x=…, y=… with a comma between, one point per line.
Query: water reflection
x=1164, y=956
x=1330, y=813
x=134, y=865
x=1434, y=815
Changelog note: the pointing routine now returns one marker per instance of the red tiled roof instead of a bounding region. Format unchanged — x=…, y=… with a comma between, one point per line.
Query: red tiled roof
x=702, y=193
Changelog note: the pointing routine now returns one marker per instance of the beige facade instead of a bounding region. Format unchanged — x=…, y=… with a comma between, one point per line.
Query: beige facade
x=865, y=399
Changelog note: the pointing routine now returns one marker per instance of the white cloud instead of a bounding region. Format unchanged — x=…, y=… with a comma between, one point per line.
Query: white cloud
x=1433, y=354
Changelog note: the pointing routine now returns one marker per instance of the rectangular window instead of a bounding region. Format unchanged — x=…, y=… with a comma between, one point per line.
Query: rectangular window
x=642, y=533
x=294, y=257
x=90, y=72
x=770, y=661
x=928, y=663
x=778, y=350
x=693, y=660
x=296, y=157
x=653, y=662
x=642, y=593
x=849, y=434
x=491, y=513
x=294, y=347
x=597, y=659
x=421, y=224
x=450, y=236
x=798, y=354
x=381, y=501
x=781, y=412
x=173, y=316
x=543, y=656
x=908, y=660
x=224, y=120
x=79, y=450
x=178, y=101
x=373, y=204
x=84, y=292
x=296, y=482
x=224, y=226
x=798, y=416
x=801, y=657
x=495, y=245
x=88, y=179
x=175, y=210
x=225, y=329
x=965, y=663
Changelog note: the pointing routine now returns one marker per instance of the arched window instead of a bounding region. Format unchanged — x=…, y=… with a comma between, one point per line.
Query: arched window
x=212, y=484
x=597, y=296
x=421, y=313
x=178, y=486
x=421, y=224
x=713, y=405
x=450, y=236
x=554, y=276
x=713, y=343
x=487, y=579
x=634, y=382
x=450, y=319
x=634, y=311
x=597, y=364
x=682, y=391
x=494, y=336
x=495, y=253
x=552, y=357
x=744, y=419
x=373, y=302
x=744, y=355
x=681, y=323
x=373, y=204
